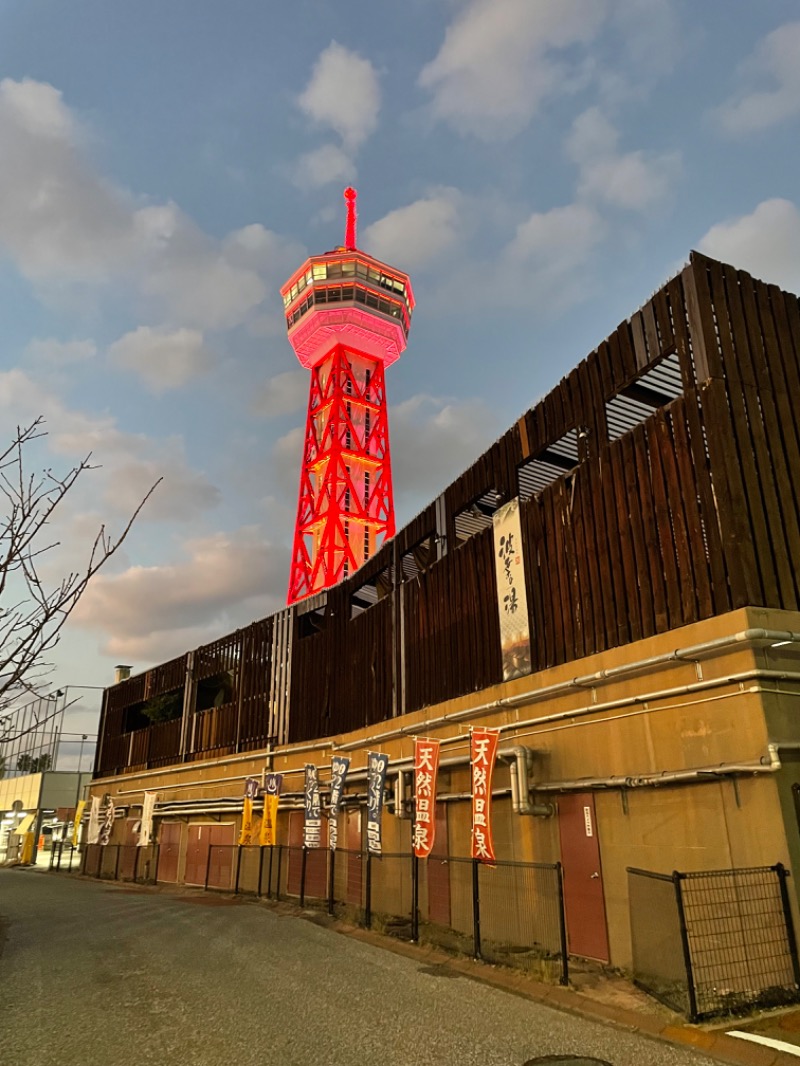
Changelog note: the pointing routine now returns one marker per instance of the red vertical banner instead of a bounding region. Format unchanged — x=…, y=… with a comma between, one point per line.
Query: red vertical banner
x=482, y=755
x=426, y=768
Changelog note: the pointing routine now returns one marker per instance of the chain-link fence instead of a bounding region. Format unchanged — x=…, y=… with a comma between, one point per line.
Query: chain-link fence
x=714, y=942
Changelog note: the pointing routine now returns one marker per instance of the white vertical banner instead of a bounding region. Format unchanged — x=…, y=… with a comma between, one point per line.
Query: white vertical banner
x=93, y=834
x=146, y=826
x=512, y=598
x=107, y=824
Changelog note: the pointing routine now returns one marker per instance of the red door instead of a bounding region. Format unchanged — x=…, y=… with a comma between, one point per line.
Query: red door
x=438, y=871
x=126, y=867
x=220, y=869
x=584, y=901
x=354, y=859
x=316, y=862
x=169, y=849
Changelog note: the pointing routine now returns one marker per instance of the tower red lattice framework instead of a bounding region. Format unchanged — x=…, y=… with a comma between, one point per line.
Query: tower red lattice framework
x=348, y=317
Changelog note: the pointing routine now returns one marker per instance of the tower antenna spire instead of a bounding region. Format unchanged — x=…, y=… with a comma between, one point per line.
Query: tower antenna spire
x=350, y=195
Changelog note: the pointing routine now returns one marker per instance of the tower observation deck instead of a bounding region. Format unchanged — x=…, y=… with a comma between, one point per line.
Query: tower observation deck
x=348, y=317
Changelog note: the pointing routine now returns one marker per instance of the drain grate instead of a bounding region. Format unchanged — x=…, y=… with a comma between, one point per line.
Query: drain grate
x=565, y=1060
x=441, y=970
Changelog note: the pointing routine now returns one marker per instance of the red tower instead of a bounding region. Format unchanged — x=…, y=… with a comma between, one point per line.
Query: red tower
x=348, y=317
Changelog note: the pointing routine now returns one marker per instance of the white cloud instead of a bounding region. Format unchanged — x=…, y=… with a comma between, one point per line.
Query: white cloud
x=501, y=58
x=131, y=462
x=183, y=495
x=765, y=243
x=770, y=92
x=283, y=394
x=154, y=612
x=543, y=264
x=635, y=181
x=163, y=359
x=412, y=236
x=433, y=440
x=344, y=94
x=63, y=224
x=58, y=353
x=323, y=166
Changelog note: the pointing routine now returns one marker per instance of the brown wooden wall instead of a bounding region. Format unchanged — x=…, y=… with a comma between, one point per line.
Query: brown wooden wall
x=694, y=511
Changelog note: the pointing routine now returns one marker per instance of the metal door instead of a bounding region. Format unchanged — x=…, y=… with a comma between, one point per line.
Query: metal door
x=316, y=886
x=438, y=871
x=584, y=902
x=200, y=839
x=169, y=849
x=355, y=880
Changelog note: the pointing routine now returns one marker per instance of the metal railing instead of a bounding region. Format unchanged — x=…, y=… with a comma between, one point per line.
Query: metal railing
x=510, y=912
x=714, y=942
x=65, y=856
x=109, y=862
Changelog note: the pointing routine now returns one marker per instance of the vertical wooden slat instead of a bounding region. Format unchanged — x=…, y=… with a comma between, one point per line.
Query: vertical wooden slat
x=631, y=489
x=631, y=601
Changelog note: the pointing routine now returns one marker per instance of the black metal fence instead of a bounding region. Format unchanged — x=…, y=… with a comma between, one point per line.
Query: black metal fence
x=63, y=856
x=714, y=942
x=109, y=862
x=510, y=913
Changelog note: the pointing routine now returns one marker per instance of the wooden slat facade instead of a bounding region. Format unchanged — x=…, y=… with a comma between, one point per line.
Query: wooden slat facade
x=692, y=510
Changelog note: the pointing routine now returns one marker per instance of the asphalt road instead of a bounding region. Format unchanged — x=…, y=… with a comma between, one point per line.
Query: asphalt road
x=94, y=975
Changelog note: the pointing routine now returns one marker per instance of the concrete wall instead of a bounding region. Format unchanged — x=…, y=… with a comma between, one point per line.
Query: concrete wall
x=711, y=715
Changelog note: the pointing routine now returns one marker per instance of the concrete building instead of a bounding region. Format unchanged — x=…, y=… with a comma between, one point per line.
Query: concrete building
x=647, y=695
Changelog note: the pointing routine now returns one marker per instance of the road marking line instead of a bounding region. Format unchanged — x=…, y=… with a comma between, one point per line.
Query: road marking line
x=778, y=1045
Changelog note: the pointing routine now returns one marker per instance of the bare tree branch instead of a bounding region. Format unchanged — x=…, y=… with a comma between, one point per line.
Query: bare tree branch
x=31, y=623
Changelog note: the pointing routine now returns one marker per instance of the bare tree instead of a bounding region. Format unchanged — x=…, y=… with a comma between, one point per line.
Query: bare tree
x=33, y=611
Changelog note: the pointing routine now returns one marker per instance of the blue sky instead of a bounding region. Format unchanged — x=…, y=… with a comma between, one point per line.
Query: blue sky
x=538, y=166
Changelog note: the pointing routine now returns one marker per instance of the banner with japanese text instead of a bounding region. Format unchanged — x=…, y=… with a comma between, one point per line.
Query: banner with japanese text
x=376, y=780
x=339, y=767
x=269, y=819
x=146, y=824
x=482, y=755
x=426, y=769
x=107, y=824
x=76, y=825
x=312, y=829
x=246, y=832
x=512, y=597
x=93, y=834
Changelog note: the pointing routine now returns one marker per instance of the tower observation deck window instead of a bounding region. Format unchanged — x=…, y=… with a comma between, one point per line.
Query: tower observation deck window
x=346, y=294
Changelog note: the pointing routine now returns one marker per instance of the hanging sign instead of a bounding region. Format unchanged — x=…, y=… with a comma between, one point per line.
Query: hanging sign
x=246, y=832
x=269, y=819
x=107, y=824
x=376, y=780
x=512, y=598
x=339, y=768
x=93, y=834
x=482, y=754
x=146, y=824
x=426, y=768
x=252, y=787
x=312, y=830
x=76, y=825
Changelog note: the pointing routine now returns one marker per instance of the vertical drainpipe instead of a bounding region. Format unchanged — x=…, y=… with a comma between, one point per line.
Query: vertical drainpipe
x=188, y=703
